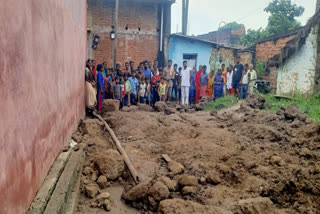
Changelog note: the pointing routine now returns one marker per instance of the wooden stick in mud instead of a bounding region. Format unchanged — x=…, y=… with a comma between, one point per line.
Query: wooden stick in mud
x=132, y=170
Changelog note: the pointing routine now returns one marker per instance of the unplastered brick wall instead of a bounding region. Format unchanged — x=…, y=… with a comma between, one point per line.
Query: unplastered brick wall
x=138, y=33
x=268, y=49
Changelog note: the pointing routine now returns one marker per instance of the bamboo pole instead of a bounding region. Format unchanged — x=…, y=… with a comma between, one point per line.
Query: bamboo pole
x=131, y=168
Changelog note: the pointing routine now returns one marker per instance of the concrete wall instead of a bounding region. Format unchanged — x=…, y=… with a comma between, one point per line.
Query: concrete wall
x=180, y=46
x=42, y=56
x=133, y=44
x=207, y=53
x=297, y=73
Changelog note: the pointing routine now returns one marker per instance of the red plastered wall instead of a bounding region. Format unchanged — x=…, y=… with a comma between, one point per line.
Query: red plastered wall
x=42, y=57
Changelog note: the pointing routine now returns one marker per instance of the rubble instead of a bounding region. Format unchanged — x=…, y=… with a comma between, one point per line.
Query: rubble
x=175, y=167
x=159, y=191
x=110, y=105
x=139, y=191
x=160, y=106
x=92, y=190
x=110, y=164
x=188, y=180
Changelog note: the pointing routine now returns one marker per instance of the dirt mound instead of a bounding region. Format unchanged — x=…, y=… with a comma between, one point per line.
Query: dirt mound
x=239, y=160
x=110, y=105
x=256, y=101
x=160, y=106
x=110, y=164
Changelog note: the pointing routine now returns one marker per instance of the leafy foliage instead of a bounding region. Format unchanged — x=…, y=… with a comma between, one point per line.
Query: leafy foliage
x=252, y=36
x=308, y=105
x=221, y=103
x=282, y=19
x=232, y=25
x=286, y=8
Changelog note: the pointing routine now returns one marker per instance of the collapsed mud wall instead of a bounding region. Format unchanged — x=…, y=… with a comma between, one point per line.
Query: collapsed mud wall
x=297, y=74
x=42, y=55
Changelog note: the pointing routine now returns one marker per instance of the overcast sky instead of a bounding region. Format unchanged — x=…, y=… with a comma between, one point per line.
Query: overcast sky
x=205, y=15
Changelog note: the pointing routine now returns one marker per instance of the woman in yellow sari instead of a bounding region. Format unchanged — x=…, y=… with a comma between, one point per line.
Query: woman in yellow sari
x=210, y=84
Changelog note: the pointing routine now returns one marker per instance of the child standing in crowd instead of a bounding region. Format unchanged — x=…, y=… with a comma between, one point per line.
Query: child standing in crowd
x=253, y=78
x=244, y=83
x=123, y=91
x=203, y=82
x=100, y=87
x=142, y=91
x=162, y=89
x=224, y=76
x=210, y=84
x=134, y=87
x=128, y=89
x=229, y=81
x=117, y=91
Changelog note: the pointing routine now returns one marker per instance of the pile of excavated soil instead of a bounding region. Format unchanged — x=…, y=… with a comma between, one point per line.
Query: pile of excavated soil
x=239, y=160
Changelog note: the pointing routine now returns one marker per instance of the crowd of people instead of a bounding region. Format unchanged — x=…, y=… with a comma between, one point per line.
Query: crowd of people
x=148, y=83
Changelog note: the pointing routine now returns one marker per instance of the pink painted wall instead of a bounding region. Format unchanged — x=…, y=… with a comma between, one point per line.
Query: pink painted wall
x=42, y=56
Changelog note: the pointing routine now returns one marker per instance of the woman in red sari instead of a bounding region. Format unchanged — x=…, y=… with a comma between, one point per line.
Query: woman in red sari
x=197, y=82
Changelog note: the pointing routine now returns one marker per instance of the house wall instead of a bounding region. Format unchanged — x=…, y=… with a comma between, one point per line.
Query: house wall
x=180, y=46
x=298, y=72
x=228, y=57
x=42, y=57
x=266, y=50
x=132, y=44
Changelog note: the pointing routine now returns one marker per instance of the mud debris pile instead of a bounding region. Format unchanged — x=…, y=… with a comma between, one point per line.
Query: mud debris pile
x=238, y=160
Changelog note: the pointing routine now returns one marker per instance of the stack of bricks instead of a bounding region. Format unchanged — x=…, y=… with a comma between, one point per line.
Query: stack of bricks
x=138, y=33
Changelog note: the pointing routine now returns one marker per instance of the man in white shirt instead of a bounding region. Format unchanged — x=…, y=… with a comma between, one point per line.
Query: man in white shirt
x=185, y=83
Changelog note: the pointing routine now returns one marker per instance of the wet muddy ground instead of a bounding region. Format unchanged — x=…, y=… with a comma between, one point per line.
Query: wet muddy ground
x=238, y=160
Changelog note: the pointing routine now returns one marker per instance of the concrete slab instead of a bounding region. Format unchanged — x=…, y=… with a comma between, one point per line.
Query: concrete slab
x=44, y=193
x=58, y=201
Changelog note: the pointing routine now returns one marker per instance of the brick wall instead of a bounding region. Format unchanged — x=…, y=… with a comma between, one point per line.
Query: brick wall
x=133, y=44
x=266, y=50
x=42, y=55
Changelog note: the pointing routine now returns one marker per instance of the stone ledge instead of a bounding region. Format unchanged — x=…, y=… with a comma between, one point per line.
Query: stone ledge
x=44, y=193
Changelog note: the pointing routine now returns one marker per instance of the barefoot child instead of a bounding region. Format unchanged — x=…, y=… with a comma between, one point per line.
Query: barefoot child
x=142, y=91
x=162, y=89
x=117, y=90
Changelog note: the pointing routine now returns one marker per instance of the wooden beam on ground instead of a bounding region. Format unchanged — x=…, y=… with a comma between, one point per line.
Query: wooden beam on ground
x=132, y=170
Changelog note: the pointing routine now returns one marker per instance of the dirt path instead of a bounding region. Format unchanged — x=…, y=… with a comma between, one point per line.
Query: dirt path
x=244, y=160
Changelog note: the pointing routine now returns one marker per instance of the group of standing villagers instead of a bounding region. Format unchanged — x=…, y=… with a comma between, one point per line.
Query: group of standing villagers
x=150, y=84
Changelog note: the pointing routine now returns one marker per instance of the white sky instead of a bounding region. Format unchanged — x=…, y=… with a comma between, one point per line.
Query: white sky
x=205, y=15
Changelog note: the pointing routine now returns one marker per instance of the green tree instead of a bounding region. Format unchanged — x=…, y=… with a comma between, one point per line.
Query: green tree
x=232, y=25
x=252, y=36
x=282, y=19
x=283, y=14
